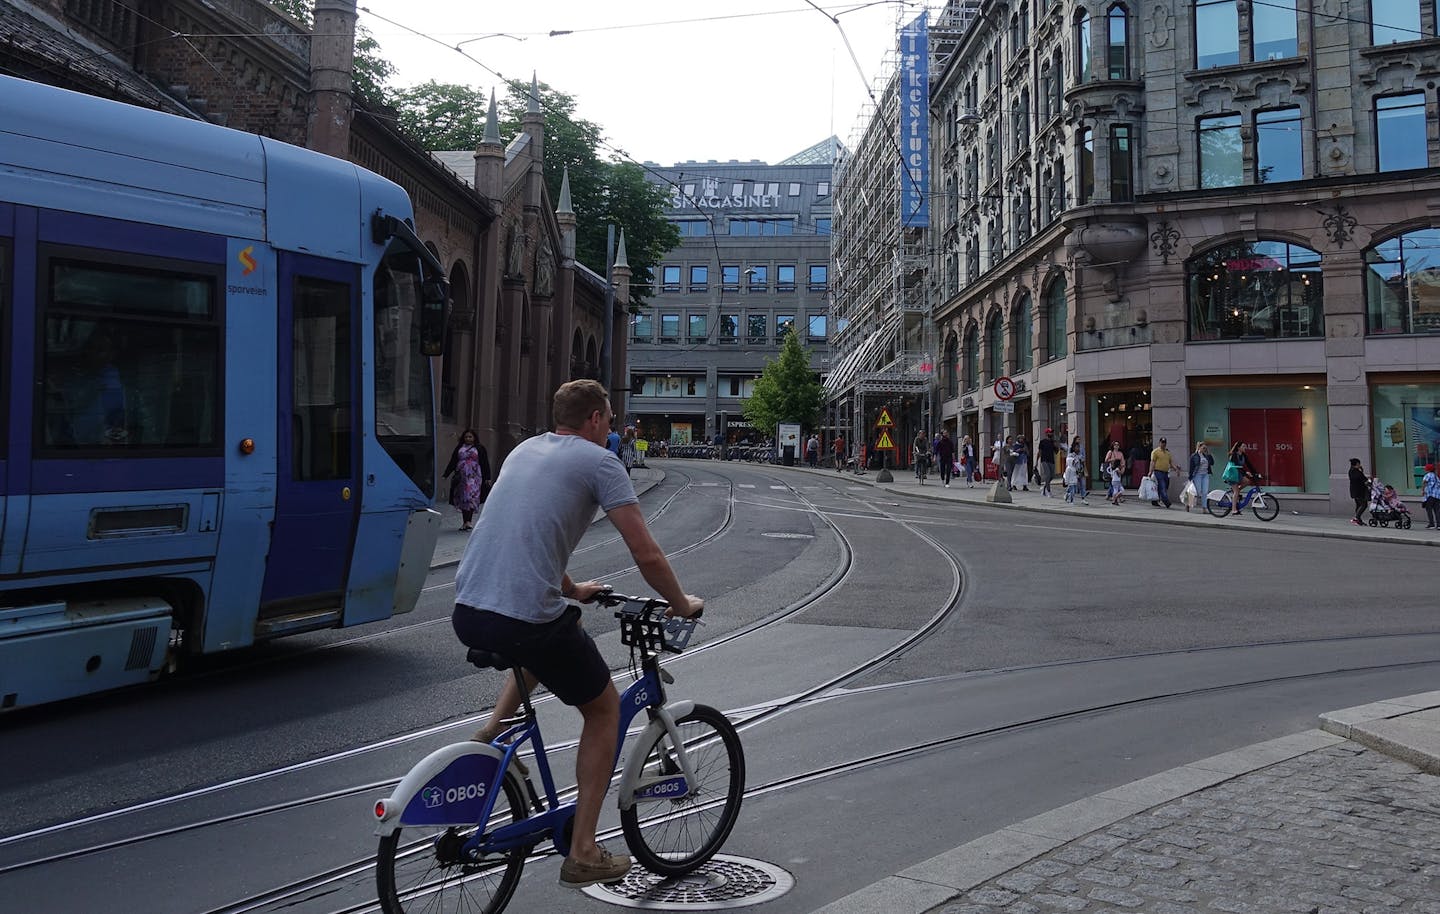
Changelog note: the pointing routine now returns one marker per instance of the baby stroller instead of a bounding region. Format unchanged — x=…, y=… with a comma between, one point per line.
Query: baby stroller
x=1386, y=508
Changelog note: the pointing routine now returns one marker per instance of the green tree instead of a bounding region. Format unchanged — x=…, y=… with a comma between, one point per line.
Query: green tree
x=787, y=391
x=372, y=71
x=442, y=115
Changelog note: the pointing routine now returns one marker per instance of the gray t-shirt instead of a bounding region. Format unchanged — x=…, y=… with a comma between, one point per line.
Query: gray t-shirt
x=542, y=503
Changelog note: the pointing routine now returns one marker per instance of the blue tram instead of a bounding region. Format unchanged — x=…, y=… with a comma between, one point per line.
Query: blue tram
x=216, y=412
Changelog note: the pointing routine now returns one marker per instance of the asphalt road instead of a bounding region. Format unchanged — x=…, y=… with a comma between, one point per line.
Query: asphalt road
x=1079, y=654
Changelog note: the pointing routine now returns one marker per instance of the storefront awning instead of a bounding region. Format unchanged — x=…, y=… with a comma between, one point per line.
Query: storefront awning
x=862, y=357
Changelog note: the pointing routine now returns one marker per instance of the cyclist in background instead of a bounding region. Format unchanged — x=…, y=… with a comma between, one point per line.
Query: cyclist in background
x=514, y=597
x=1238, y=472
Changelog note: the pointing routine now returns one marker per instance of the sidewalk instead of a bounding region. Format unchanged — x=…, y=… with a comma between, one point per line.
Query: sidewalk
x=1331, y=820
x=1291, y=520
x=451, y=543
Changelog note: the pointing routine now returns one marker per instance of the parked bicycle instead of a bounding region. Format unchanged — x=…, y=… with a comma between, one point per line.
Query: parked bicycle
x=1264, y=505
x=456, y=831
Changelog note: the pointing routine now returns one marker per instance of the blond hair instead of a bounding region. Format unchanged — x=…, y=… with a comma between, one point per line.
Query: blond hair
x=575, y=401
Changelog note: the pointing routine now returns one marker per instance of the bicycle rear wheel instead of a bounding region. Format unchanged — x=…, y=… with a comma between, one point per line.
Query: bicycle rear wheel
x=428, y=874
x=1217, y=503
x=673, y=837
x=1265, y=506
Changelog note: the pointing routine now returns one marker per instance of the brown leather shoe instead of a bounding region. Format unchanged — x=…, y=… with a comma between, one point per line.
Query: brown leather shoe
x=577, y=874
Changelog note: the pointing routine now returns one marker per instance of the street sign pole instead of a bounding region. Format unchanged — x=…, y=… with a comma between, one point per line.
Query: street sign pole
x=1004, y=390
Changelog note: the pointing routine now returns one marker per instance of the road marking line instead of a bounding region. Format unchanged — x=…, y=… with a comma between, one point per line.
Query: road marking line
x=1083, y=530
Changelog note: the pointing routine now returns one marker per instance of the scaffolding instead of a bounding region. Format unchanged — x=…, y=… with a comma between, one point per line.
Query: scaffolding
x=884, y=344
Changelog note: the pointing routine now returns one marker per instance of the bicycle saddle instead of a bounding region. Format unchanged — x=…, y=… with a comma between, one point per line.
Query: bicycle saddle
x=488, y=659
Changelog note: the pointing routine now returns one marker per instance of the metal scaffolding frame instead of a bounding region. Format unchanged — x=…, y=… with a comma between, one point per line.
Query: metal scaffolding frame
x=885, y=342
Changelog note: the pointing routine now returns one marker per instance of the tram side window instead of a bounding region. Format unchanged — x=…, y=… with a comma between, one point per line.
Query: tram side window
x=320, y=446
x=130, y=361
x=404, y=416
x=6, y=278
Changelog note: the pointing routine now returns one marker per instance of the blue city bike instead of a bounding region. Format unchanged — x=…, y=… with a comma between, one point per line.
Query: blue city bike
x=1264, y=505
x=456, y=831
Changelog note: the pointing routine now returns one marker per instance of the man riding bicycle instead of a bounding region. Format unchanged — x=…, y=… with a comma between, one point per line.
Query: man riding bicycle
x=512, y=593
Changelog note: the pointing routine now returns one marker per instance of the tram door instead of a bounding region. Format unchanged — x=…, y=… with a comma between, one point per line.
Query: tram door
x=317, y=499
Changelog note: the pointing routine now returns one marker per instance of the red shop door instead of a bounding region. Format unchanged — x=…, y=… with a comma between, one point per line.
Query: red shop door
x=1273, y=437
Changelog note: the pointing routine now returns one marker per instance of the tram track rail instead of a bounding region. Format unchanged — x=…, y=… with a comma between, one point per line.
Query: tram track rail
x=323, y=882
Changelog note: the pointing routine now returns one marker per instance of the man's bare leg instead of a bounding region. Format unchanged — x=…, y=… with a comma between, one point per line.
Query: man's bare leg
x=594, y=765
x=505, y=708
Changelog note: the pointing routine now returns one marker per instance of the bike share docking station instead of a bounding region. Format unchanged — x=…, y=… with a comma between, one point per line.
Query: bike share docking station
x=724, y=882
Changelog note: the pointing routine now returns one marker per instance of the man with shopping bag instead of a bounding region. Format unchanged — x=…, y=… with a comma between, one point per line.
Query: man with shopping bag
x=1161, y=463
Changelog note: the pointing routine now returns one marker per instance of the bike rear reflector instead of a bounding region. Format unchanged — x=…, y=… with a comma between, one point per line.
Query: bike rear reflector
x=380, y=809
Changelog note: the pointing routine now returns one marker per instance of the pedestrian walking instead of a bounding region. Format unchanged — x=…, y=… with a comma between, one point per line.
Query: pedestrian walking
x=627, y=449
x=1430, y=488
x=1045, y=450
x=966, y=458
x=1359, y=489
x=920, y=451
x=1020, y=465
x=470, y=467
x=1077, y=447
x=999, y=456
x=1072, y=476
x=945, y=456
x=838, y=446
x=1201, y=463
x=1115, y=469
x=1160, y=466
x=812, y=452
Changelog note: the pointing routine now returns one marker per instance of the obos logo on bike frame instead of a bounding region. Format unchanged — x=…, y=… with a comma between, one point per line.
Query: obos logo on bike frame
x=455, y=796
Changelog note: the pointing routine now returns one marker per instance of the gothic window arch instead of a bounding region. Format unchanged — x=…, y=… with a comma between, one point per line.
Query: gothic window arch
x=1020, y=331
x=994, y=345
x=1265, y=289
x=1054, y=320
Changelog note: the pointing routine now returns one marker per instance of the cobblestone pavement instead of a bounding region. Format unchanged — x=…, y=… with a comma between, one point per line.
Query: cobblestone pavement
x=1342, y=829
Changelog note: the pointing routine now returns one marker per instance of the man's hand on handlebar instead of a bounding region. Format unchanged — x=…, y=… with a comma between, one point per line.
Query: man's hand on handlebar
x=695, y=608
x=585, y=591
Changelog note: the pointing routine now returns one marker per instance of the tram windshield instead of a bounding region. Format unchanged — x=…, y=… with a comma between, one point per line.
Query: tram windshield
x=404, y=413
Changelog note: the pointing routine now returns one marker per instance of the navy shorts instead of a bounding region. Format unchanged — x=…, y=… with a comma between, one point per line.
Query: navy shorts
x=560, y=653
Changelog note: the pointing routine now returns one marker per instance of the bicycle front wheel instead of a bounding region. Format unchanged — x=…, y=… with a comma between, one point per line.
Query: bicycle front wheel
x=1265, y=506
x=429, y=873
x=673, y=837
x=1218, y=503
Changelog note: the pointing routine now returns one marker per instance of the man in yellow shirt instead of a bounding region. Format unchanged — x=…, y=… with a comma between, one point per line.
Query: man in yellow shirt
x=1160, y=465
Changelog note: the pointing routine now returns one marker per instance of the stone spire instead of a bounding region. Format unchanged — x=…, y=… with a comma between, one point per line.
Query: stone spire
x=565, y=217
x=490, y=157
x=533, y=123
x=620, y=262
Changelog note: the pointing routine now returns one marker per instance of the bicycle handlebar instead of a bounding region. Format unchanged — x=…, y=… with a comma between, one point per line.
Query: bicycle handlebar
x=644, y=626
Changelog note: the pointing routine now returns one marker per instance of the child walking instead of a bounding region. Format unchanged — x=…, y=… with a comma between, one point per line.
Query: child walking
x=1072, y=476
x=1117, y=488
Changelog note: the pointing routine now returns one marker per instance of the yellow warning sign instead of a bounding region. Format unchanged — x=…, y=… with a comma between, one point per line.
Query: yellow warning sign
x=885, y=444
x=885, y=421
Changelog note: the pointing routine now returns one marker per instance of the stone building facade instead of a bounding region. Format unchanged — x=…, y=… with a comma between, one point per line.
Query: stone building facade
x=752, y=266
x=1210, y=222
x=523, y=312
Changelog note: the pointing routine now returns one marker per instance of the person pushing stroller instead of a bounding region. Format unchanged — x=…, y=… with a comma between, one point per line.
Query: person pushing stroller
x=1386, y=508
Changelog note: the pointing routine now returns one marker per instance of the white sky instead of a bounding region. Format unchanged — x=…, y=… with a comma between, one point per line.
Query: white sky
x=667, y=81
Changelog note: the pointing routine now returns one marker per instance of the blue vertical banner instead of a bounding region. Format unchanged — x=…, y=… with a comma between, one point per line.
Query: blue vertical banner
x=915, y=124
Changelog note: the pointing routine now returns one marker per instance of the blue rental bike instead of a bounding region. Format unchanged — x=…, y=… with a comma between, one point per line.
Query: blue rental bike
x=457, y=830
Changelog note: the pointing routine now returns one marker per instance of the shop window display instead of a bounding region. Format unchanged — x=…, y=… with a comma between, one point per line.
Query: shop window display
x=1255, y=290
x=1405, y=431
x=1286, y=429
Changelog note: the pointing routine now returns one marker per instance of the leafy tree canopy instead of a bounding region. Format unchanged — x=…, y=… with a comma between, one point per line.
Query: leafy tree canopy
x=372, y=71
x=787, y=391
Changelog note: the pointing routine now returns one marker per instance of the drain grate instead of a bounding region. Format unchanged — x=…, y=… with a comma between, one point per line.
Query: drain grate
x=724, y=882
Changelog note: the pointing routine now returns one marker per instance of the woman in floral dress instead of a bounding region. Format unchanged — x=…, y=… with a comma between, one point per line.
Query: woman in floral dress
x=471, y=468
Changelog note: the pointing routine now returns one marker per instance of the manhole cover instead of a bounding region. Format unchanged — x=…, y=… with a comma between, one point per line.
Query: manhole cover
x=724, y=882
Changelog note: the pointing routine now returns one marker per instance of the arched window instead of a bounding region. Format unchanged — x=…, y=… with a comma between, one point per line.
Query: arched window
x=1117, y=43
x=950, y=370
x=972, y=357
x=1054, y=319
x=1401, y=278
x=1082, y=47
x=1021, y=330
x=1255, y=290
x=1057, y=85
x=994, y=346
